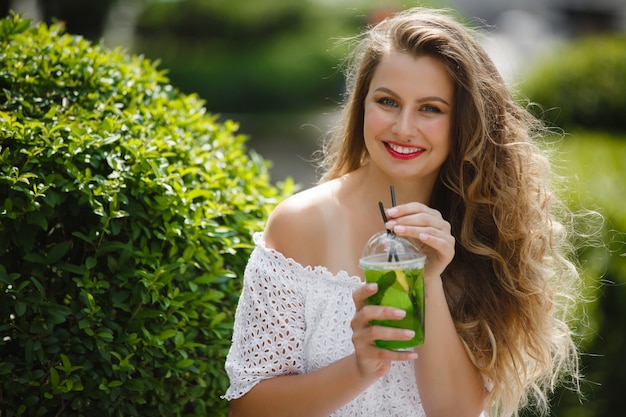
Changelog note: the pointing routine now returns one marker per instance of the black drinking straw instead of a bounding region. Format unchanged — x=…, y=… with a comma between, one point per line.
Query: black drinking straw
x=382, y=213
x=392, y=249
x=392, y=254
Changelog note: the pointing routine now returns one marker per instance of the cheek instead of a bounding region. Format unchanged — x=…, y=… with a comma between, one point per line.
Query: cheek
x=373, y=121
x=439, y=131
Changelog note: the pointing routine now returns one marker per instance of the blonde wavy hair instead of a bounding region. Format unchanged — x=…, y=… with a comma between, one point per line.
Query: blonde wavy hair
x=512, y=285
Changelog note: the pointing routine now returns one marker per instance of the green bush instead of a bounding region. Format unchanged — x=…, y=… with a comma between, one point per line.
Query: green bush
x=582, y=85
x=594, y=162
x=248, y=55
x=126, y=214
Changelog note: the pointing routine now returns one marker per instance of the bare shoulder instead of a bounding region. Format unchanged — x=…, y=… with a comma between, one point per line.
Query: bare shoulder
x=300, y=222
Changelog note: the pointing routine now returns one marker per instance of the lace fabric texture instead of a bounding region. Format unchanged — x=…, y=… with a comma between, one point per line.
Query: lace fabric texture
x=293, y=320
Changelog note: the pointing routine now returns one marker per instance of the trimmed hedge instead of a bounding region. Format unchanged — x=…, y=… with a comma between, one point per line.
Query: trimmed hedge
x=582, y=85
x=126, y=214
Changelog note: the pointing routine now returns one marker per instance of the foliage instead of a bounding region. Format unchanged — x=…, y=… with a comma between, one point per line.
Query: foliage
x=594, y=162
x=250, y=56
x=126, y=214
x=582, y=85
x=243, y=21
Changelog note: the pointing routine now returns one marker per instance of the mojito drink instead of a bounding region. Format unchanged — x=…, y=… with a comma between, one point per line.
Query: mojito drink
x=397, y=266
x=401, y=287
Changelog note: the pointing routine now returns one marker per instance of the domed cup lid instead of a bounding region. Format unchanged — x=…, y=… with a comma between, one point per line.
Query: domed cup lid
x=387, y=247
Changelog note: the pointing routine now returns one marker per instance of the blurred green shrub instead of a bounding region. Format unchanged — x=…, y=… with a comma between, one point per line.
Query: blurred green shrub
x=594, y=163
x=582, y=85
x=248, y=55
x=126, y=214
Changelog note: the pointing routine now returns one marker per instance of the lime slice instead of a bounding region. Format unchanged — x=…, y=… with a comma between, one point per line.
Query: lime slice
x=401, y=279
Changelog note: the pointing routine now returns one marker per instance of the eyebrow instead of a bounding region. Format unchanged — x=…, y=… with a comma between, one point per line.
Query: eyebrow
x=421, y=100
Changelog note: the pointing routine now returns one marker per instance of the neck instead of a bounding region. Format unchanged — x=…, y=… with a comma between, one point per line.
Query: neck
x=377, y=187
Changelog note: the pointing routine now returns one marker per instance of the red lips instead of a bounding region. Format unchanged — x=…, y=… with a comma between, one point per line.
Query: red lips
x=403, y=152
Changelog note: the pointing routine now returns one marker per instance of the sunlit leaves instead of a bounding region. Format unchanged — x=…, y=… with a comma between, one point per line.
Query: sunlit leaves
x=126, y=213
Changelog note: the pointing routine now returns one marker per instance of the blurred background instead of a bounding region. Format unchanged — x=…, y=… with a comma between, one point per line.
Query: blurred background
x=274, y=66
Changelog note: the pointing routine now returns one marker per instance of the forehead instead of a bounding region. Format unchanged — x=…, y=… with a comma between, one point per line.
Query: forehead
x=406, y=74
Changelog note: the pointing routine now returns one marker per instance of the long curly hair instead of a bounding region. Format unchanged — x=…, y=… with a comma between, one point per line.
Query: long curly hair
x=512, y=285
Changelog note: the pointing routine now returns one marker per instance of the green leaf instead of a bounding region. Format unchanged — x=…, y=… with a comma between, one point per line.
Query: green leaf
x=83, y=237
x=75, y=269
x=58, y=251
x=78, y=386
x=8, y=279
x=167, y=334
x=37, y=218
x=108, y=337
x=179, y=339
x=135, y=385
x=21, y=26
x=20, y=308
x=65, y=361
x=58, y=313
x=54, y=378
x=39, y=287
x=35, y=258
x=185, y=363
x=90, y=262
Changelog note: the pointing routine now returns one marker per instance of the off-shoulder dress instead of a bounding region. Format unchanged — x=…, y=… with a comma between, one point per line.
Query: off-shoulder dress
x=293, y=319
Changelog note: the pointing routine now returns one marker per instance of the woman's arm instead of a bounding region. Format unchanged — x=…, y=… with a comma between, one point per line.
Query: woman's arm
x=318, y=393
x=449, y=384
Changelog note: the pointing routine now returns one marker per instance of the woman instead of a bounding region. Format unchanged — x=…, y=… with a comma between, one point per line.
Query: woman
x=427, y=112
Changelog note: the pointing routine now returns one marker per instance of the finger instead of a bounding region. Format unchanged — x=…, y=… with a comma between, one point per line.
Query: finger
x=405, y=209
x=360, y=294
x=390, y=333
x=364, y=316
x=382, y=354
x=409, y=209
x=436, y=238
x=365, y=343
x=444, y=245
x=375, y=312
x=428, y=236
x=421, y=219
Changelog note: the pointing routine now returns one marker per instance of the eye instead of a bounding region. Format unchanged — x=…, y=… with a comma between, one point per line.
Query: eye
x=428, y=108
x=388, y=102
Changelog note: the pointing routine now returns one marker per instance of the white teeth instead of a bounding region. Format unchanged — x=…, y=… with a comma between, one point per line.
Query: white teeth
x=403, y=150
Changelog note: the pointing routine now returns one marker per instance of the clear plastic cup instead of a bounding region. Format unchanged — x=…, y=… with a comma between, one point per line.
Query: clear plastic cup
x=397, y=266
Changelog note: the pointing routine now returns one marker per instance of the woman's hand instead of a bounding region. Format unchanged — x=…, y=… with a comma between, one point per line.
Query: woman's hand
x=372, y=361
x=425, y=225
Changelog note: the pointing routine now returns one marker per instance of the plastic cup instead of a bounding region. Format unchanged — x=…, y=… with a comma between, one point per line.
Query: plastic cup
x=400, y=280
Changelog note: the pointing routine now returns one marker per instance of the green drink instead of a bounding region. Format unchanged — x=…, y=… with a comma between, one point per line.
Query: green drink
x=400, y=285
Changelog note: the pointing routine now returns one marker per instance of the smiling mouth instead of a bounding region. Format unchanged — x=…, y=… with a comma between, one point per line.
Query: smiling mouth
x=404, y=151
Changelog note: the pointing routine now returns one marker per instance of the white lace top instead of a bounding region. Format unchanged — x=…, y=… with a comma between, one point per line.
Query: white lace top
x=293, y=320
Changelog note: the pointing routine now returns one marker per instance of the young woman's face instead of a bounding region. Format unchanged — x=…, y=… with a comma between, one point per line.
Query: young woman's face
x=408, y=113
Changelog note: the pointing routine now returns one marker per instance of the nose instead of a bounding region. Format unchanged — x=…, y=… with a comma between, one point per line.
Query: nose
x=405, y=124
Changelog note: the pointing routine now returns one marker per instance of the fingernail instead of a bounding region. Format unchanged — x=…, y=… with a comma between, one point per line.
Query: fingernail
x=410, y=334
x=391, y=211
x=372, y=286
x=399, y=228
x=400, y=314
